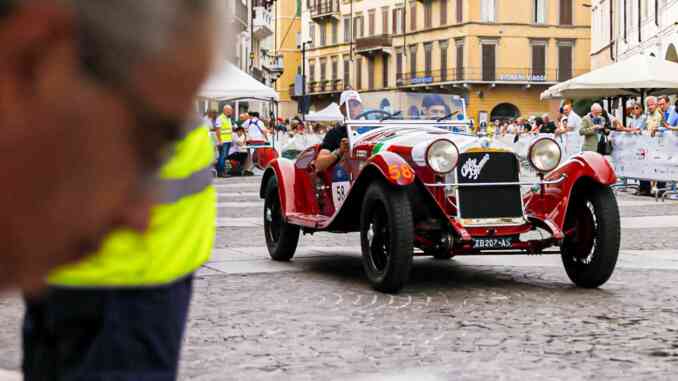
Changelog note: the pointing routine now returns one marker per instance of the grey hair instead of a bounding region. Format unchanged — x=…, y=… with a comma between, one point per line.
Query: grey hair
x=116, y=35
x=596, y=107
x=651, y=98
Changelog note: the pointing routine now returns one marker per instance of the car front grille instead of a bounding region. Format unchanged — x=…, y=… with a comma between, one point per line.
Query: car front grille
x=489, y=202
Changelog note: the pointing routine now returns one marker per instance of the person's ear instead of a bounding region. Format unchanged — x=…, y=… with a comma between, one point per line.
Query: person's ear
x=36, y=39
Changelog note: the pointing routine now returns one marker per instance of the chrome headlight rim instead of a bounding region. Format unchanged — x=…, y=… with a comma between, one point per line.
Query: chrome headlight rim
x=428, y=157
x=531, y=153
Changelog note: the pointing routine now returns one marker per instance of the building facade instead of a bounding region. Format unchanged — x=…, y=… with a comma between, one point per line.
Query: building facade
x=287, y=53
x=624, y=28
x=499, y=55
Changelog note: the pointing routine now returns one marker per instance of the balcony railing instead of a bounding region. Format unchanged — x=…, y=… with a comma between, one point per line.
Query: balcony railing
x=373, y=44
x=263, y=23
x=504, y=75
x=324, y=9
x=272, y=64
x=328, y=86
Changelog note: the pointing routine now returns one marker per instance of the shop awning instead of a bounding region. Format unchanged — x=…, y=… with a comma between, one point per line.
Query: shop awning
x=638, y=75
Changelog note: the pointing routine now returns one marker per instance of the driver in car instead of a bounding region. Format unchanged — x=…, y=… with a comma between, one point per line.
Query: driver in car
x=335, y=143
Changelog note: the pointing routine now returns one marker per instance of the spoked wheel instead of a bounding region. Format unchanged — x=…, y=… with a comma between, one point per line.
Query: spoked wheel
x=592, y=228
x=281, y=238
x=387, y=236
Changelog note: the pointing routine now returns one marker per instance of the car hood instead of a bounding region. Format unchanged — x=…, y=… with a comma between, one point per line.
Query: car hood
x=410, y=137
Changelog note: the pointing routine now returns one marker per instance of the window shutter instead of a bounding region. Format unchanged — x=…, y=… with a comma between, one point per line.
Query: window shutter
x=460, y=11
x=395, y=21
x=399, y=68
x=359, y=73
x=538, y=61
x=564, y=62
x=413, y=17
x=384, y=71
x=384, y=21
x=443, y=64
x=371, y=22
x=565, y=12
x=488, y=62
x=460, y=62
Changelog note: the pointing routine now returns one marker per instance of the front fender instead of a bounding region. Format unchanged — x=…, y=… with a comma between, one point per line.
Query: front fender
x=584, y=170
x=592, y=165
x=393, y=168
x=283, y=171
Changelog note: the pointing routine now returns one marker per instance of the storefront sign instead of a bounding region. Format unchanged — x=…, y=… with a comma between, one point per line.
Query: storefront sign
x=522, y=77
x=421, y=80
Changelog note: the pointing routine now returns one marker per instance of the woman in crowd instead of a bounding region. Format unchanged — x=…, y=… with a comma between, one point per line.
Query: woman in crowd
x=636, y=120
x=238, y=152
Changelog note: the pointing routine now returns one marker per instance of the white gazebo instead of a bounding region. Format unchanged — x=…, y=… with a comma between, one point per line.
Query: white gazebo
x=231, y=83
x=640, y=75
x=330, y=113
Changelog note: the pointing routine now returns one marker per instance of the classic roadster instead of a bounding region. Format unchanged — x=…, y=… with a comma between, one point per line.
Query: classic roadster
x=415, y=184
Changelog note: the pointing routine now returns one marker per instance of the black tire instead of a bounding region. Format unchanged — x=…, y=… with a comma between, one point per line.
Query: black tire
x=592, y=227
x=281, y=238
x=386, y=237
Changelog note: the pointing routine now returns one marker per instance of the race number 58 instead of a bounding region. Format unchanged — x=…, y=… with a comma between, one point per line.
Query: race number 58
x=396, y=171
x=340, y=192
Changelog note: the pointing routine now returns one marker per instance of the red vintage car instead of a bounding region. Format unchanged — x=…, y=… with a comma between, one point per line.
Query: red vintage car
x=415, y=184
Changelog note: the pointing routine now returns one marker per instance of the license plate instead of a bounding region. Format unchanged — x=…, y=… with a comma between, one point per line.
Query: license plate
x=492, y=243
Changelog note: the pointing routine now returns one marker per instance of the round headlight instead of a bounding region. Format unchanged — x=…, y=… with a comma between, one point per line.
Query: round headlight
x=442, y=156
x=545, y=155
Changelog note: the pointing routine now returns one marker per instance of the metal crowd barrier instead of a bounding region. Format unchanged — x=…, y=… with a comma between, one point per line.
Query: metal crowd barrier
x=635, y=157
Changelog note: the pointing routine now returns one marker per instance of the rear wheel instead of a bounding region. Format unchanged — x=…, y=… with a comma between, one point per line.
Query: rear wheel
x=281, y=238
x=386, y=237
x=592, y=228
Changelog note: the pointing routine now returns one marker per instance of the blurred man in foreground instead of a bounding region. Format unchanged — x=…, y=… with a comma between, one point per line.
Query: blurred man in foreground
x=97, y=72
x=97, y=76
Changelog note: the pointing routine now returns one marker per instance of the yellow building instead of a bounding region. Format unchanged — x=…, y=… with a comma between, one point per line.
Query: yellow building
x=287, y=29
x=499, y=55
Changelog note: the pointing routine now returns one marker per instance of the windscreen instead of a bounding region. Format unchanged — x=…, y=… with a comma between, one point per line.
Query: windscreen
x=413, y=106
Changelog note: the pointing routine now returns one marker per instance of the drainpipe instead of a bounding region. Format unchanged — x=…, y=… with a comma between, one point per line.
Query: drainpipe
x=611, y=32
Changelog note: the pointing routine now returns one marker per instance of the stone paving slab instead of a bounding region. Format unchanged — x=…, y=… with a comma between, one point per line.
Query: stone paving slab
x=253, y=260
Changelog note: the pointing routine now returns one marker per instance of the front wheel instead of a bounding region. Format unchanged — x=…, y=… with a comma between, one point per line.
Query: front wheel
x=386, y=237
x=592, y=228
x=281, y=238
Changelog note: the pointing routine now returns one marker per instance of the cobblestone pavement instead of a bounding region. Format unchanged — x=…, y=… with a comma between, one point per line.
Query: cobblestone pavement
x=461, y=319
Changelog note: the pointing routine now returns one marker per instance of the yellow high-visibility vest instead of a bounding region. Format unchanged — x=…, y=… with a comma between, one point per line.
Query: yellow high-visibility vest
x=181, y=233
x=226, y=129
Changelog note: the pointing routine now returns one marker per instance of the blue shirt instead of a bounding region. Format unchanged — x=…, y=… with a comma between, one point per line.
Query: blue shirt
x=672, y=119
x=639, y=122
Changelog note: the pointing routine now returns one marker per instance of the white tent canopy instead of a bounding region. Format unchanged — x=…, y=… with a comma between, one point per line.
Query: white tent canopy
x=330, y=113
x=229, y=83
x=639, y=74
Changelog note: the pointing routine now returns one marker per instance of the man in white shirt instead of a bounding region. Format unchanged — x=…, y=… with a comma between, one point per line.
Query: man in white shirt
x=573, y=120
x=256, y=131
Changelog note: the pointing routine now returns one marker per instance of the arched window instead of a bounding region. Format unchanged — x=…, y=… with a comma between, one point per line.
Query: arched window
x=504, y=111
